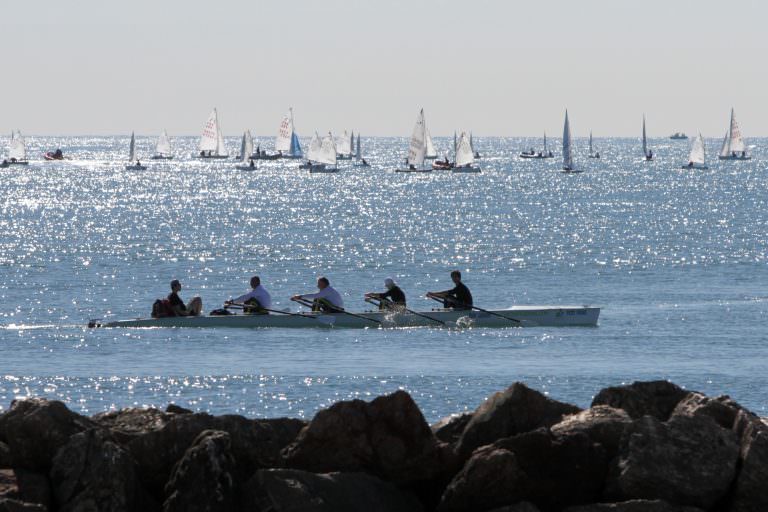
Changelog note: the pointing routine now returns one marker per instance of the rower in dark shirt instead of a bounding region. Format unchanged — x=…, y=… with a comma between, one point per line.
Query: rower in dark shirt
x=459, y=297
x=393, y=298
x=194, y=307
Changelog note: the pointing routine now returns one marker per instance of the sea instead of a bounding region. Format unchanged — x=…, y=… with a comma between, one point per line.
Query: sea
x=677, y=260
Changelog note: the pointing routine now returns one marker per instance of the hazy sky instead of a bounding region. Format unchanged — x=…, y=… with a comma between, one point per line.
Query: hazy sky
x=496, y=67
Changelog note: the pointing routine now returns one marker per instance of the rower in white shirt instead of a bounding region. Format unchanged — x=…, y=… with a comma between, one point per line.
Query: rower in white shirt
x=327, y=299
x=257, y=300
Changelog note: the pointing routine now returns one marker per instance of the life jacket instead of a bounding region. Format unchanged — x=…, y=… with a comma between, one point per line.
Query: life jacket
x=162, y=308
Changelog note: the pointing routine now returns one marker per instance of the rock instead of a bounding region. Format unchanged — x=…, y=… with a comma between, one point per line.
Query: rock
x=177, y=409
x=289, y=490
x=11, y=505
x=603, y=424
x=257, y=443
x=633, y=506
x=721, y=409
x=523, y=506
x=5, y=456
x=127, y=424
x=550, y=471
x=751, y=490
x=450, y=428
x=9, y=487
x=92, y=472
x=203, y=479
x=387, y=437
x=36, y=428
x=686, y=461
x=34, y=487
x=516, y=410
x=655, y=398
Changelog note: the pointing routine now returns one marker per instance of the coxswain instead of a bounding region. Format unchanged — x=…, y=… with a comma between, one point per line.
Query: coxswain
x=327, y=299
x=256, y=301
x=193, y=308
x=458, y=297
x=393, y=298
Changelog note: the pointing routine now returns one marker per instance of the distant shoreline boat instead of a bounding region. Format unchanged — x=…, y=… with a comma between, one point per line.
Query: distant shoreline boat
x=541, y=154
x=678, y=136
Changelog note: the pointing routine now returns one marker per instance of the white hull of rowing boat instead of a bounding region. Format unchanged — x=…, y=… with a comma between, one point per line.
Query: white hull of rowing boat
x=518, y=316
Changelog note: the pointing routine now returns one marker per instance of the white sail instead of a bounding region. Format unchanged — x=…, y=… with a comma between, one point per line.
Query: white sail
x=285, y=133
x=698, y=153
x=736, y=139
x=358, y=155
x=246, y=146
x=163, y=145
x=18, y=149
x=725, y=149
x=132, y=149
x=313, y=153
x=221, y=149
x=328, y=151
x=209, y=140
x=455, y=141
x=645, y=142
x=567, y=157
x=471, y=142
x=431, y=153
x=464, y=154
x=418, y=147
x=590, y=142
x=545, y=145
x=343, y=145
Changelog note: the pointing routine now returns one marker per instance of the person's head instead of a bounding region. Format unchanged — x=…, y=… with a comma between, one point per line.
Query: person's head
x=322, y=282
x=389, y=283
x=456, y=276
x=175, y=286
x=255, y=281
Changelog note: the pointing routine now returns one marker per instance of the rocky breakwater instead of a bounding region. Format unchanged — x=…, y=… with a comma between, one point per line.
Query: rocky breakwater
x=645, y=447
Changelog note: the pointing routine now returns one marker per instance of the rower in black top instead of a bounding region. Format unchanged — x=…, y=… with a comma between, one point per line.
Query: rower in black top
x=459, y=297
x=393, y=298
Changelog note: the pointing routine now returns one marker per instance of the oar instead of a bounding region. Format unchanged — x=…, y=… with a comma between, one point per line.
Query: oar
x=371, y=300
x=322, y=319
x=477, y=308
x=339, y=310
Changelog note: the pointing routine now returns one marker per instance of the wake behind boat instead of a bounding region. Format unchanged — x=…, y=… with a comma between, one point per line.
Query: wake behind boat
x=517, y=316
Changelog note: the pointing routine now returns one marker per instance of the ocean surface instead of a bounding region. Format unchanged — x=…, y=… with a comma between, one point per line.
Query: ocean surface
x=677, y=260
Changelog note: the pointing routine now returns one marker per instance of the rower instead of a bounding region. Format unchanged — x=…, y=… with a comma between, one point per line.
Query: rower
x=327, y=299
x=257, y=301
x=458, y=297
x=393, y=298
x=193, y=308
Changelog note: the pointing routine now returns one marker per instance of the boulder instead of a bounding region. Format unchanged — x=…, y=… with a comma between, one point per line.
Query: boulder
x=603, y=424
x=5, y=456
x=11, y=505
x=387, y=437
x=290, y=490
x=751, y=489
x=34, y=487
x=516, y=410
x=203, y=479
x=9, y=487
x=523, y=506
x=722, y=409
x=36, y=428
x=685, y=461
x=127, y=424
x=633, y=506
x=177, y=409
x=655, y=398
x=547, y=470
x=450, y=428
x=257, y=443
x=92, y=472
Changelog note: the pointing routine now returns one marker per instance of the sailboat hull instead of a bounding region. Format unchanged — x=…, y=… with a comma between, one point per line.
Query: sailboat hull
x=212, y=157
x=466, y=170
x=413, y=170
x=162, y=157
x=572, y=171
x=535, y=157
x=321, y=169
x=246, y=168
x=18, y=162
x=696, y=167
x=734, y=157
x=135, y=167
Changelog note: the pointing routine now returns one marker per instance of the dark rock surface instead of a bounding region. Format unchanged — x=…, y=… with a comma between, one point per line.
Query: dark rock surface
x=655, y=398
x=722, y=409
x=290, y=490
x=34, y=487
x=203, y=480
x=513, y=411
x=633, y=506
x=5, y=456
x=751, y=490
x=11, y=505
x=603, y=424
x=9, y=487
x=685, y=461
x=450, y=428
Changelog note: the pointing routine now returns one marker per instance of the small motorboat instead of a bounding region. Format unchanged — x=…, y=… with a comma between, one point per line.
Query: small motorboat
x=54, y=155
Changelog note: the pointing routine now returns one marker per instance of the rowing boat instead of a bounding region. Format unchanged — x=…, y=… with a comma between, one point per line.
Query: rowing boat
x=517, y=316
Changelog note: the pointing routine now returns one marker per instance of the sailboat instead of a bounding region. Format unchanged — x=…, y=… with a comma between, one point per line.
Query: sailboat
x=546, y=153
x=733, y=147
x=647, y=154
x=592, y=153
x=344, y=146
x=475, y=153
x=287, y=142
x=418, y=147
x=325, y=155
x=465, y=156
x=697, y=157
x=568, y=166
x=133, y=163
x=17, y=150
x=163, y=148
x=246, y=150
x=212, y=139
x=431, y=153
x=359, y=155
